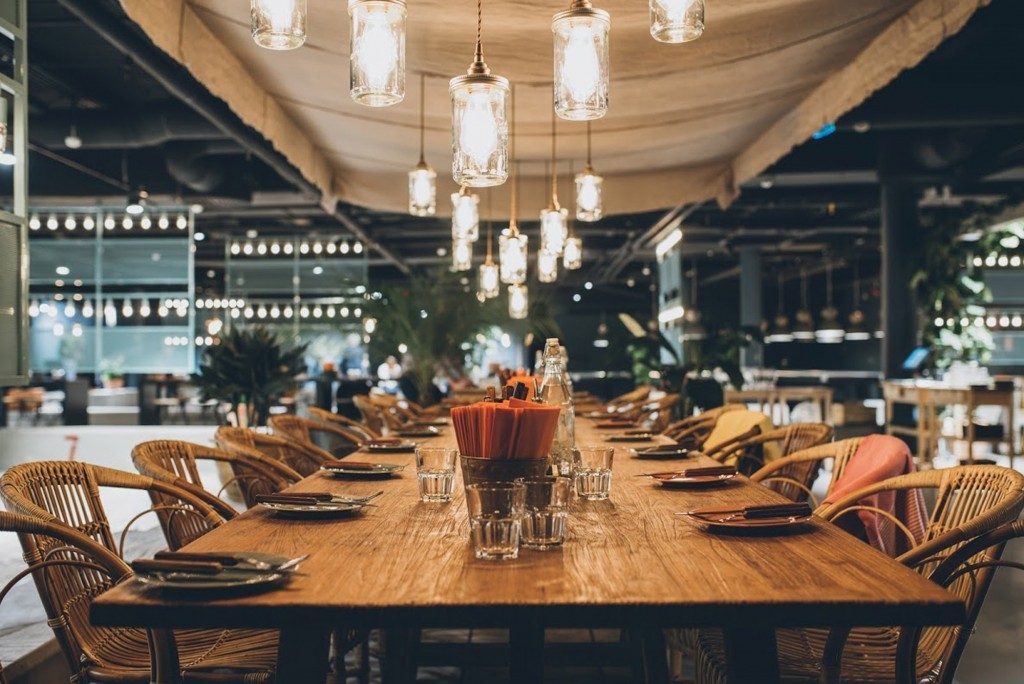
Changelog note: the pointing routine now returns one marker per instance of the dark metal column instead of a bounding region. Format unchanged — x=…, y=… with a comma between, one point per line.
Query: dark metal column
x=751, y=301
x=900, y=230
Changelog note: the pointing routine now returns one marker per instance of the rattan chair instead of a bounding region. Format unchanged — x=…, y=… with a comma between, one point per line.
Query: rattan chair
x=373, y=416
x=361, y=429
x=329, y=441
x=395, y=417
x=698, y=427
x=70, y=568
x=794, y=475
x=69, y=492
x=629, y=398
x=657, y=414
x=969, y=501
x=747, y=452
x=300, y=458
x=175, y=462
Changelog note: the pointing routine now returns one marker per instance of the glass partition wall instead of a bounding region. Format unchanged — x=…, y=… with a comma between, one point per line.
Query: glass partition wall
x=110, y=292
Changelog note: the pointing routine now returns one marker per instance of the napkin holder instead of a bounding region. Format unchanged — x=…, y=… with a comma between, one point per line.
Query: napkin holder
x=489, y=470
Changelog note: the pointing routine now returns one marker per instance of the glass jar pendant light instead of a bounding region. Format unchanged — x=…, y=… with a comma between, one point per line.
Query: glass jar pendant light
x=830, y=330
x=479, y=122
x=518, y=301
x=572, y=254
x=589, y=189
x=462, y=255
x=489, y=280
x=377, y=52
x=547, y=266
x=554, y=227
x=278, y=24
x=422, y=179
x=677, y=21
x=465, y=215
x=581, y=61
x=512, y=245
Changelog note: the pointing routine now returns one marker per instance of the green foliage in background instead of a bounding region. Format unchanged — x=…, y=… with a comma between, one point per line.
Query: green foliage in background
x=435, y=314
x=250, y=365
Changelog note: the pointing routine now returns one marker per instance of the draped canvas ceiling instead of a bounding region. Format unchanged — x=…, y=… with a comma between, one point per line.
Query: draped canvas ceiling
x=686, y=122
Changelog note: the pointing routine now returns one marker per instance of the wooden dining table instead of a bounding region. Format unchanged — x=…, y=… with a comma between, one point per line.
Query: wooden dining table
x=627, y=562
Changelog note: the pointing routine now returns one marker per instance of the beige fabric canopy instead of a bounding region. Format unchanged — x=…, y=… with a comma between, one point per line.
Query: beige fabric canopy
x=686, y=122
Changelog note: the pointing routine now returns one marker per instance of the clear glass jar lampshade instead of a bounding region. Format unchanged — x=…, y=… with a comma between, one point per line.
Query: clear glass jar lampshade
x=377, y=52
x=422, y=191
x=572, y=255
x=479, y=130
x=554, y=229
x=589, y=199
x=518, y=301
x=581, y=63
x=465, y=216
x=677, y=21
x=278, y=24
x=512, y=256
x=489, y=285
x=547, y=266
x=462, y=255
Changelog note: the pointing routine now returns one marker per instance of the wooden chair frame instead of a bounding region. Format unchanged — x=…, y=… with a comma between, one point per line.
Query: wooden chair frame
x=793, y=475
x=298, y=457
x=793, y=438
x=344, y=422
x=301, y=430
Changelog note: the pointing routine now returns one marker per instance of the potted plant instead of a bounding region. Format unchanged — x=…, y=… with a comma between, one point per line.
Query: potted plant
x=112, y=373
x=250, y=368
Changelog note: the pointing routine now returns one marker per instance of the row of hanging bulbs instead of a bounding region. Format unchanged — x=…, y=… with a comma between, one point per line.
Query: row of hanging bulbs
x=829, y=328
x=128, y=308
x=287, y=247
x=70, y=222
x=479, y=98
x=287, y=310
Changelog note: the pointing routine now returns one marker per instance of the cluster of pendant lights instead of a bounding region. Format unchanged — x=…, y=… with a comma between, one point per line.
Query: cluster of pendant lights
x=482, y=154
x=131, y=219
x=829, y=329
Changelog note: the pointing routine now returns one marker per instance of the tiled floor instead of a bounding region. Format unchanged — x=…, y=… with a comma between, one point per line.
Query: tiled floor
x=994, y=654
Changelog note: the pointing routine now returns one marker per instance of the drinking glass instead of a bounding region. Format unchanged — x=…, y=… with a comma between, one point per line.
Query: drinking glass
x=544, y=516
x=495, y=519
x=435, y=468
x=593, y=467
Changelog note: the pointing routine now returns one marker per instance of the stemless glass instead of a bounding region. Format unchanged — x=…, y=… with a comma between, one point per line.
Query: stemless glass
x=593, y=467
x=435, y=468
x=544, y=516
x=495, y=519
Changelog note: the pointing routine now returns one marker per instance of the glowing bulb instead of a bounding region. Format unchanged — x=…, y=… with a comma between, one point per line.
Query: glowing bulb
x=478, y=135
x=279, y=24
x=588, y=196
x=109, y=223
x=489, y=285
x=163, y=222
x=87, y=309
x=69, y=309
x=34, y=223
x=110, y=314
x=236, y=248
x=126, y=308
x=547, y=266
x=275, y=311
x=70, y=223
x=247, y=248
x=89, y=223
x=581, y=63
x=181, y=223
x=357, y=248
x=261, y=248
x=288, y=248
x=144, y=309
x=127, y=222
x=512, y=256
x=317, y=247
x=377, y=59
x=331, y=247
x=422, y=191
x=317, y=311
x=518, y=301
x=581, y=66
x=676, y=21
x=572, y=254
x=145, y=223
x=465, y=216
x=462, y=255
x=554, y=229
x=52, y=223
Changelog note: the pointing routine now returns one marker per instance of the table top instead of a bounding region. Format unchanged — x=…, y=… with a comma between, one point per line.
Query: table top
x=626, y=561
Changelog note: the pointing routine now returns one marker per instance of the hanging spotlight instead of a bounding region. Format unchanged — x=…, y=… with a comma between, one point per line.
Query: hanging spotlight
x=780, y=331
x=377, y=54
x=589, y=190
x=163, y=310
x=423, y=178
x=829, y=330
x=69, y=222
x=89, y=223
x=547, y=266
x=554, y=227
x=58, y=330
x=275, y=247
x=581, y=61
x=137, y=202
x=462, y=255
x=163, y=222
x=804, y=329
x=518, y=301
x=52, y=223
x=479, y=122
x=344, y=312
x=465, y=215
x=677, y=21
x=71, y=140
x=279, y=24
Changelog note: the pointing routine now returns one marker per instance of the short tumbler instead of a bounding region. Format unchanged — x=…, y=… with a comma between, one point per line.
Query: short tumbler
x=495, y=519
x=544, y=518
x=593, y=468
x=435, y=468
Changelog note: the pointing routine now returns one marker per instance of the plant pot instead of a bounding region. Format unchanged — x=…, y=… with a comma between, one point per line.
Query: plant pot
x=484, y=470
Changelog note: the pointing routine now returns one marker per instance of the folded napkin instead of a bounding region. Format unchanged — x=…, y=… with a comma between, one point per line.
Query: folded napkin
x=783, y=510
x=880, y=457
x=708, y=470
x=147, y=565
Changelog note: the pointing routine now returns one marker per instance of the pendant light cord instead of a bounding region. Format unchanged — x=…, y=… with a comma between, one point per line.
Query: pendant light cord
x=554, y=162
x=513, y=228
x=479, y=31
x=782, y=301
x=423, y=104
x=490, y=223
x=588, y=143
x=828, y=285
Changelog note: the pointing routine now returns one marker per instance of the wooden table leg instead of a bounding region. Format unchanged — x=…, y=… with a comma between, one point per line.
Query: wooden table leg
x=526, y=646
x=751, y=655
x=400, y=651
x=303, y=655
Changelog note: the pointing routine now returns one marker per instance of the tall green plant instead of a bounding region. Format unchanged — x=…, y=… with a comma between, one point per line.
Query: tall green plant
x=250, y=366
